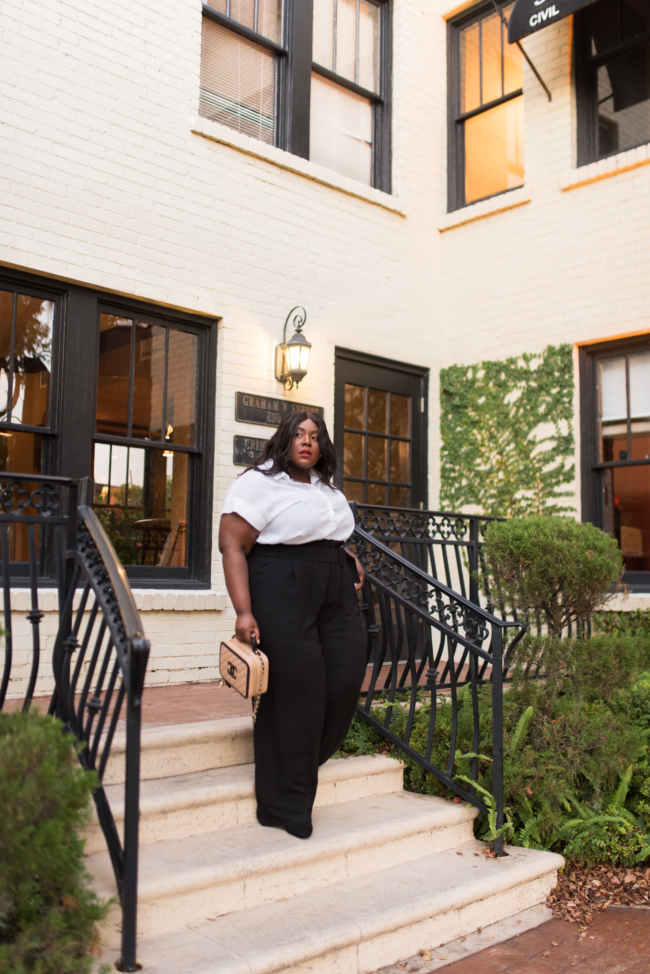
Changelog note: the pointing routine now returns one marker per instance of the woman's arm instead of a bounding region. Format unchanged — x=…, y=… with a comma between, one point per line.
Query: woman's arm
x=236, y=538
x=360, y=570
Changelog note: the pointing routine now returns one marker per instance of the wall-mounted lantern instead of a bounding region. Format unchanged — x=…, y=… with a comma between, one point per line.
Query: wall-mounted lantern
x=292, y=357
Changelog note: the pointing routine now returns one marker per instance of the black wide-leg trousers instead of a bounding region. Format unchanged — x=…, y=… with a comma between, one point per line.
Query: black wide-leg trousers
x=304, y=601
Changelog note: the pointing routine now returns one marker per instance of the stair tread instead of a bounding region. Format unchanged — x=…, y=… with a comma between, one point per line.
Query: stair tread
x=230, y=783
x=275, y=936
x=199, y=861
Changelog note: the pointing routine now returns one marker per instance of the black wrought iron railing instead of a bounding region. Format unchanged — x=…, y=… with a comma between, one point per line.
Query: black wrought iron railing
x=49, y=533
x=424, y=638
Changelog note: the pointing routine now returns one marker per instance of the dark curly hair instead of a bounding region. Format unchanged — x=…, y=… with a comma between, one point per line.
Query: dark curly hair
x=278, y=449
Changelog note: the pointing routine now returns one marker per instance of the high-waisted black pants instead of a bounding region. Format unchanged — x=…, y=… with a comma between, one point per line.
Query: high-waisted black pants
x=304, y=601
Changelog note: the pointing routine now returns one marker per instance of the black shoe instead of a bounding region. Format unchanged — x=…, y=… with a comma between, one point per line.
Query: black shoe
x=301, y=830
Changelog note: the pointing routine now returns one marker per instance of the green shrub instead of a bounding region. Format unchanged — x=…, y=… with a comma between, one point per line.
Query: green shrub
x=635, y=623
x=552, y=567
x=48, y=915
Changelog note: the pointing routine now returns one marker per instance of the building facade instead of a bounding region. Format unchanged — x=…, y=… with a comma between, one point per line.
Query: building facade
x=178, y=178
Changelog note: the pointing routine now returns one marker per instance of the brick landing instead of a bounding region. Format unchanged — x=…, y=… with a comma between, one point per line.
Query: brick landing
x=618, y=942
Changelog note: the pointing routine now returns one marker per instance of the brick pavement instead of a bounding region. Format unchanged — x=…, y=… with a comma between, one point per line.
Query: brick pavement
x=618, y=942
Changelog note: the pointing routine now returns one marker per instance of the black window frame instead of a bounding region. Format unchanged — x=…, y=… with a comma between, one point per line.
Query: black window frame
x=591, y=466
x=456, y=117
x=294, y=67
x=586, y=79
x=73, y=404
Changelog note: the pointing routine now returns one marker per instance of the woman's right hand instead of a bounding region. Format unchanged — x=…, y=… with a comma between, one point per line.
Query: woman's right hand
x=246, y=624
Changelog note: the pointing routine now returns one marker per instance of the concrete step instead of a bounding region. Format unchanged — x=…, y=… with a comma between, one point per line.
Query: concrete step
x=179, y=749
x=224, y=797
x=230, y=870
x=361, y=923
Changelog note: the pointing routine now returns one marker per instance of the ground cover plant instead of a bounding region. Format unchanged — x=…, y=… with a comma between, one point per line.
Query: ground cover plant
x=48, y=914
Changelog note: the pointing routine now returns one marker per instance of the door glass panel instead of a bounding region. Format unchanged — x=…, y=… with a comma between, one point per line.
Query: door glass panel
x=400, y=415
x=20, y=453
x=28, y=399
x=399, y=461
x=353, y=455
x=141, y=499
x=353, y=490
x=377, y=411
x=6, y=306
x=376, y=494
x=399, y=497
x=354, y=407
x=148, y=381
x=377, y=457
x=181, y=388
x=114, y=375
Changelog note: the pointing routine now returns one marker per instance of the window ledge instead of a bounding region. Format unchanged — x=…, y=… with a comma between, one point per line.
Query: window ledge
x=483, y=208
x=146, y=600
x=285, y=160
x=611, y=166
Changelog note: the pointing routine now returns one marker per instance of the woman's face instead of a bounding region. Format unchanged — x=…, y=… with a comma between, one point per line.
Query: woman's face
x=305, y=451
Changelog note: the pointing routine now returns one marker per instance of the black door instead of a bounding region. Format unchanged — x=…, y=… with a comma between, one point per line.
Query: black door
x=380, y=414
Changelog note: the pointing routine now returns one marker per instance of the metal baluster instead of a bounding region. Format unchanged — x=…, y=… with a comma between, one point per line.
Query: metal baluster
x=34, y=616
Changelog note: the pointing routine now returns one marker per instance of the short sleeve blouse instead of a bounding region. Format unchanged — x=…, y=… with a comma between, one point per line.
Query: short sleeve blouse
x=287, y=512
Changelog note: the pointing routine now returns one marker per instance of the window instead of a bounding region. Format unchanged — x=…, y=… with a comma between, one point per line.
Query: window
x=619, y=454
x=486, y=109
x=134, y=412
x=612, y=47
x=379, y=430
x=313, y=80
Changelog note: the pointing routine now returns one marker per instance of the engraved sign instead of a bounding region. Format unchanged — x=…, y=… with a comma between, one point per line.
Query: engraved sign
x=246, y=449
x=267, y=411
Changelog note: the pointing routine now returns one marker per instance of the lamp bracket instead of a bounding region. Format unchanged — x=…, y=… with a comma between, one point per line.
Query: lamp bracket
x=298, y=321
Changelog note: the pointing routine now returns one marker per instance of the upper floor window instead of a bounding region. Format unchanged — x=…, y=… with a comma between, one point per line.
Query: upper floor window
x=486, y=108
x=310, y=78
x=612, y=45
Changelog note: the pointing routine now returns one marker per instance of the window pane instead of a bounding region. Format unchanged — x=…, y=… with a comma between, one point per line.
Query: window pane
x=377, y=411
x=148, y=381
x=269, y=19
x=220, y=5
x=353, y=491
x=141, y=499
x=640, y=385
x=354, y=407
x=377, y=458
x=491, y=57
x=353, y=455
x=6, y=305
x=613, y=397
x=368, y=46
x=494, y=150
x=243, y=11
x=400, y=415
x=626, y=505
x=20, y=453
x=114, y=376
x=399, y=461
x=323, y=42
x=32, y=359
x=346, y=39
x=624, y=102
x=237, y=83
x=513, y=66
x=470, y=67
x=340, y=130
x=181, y=388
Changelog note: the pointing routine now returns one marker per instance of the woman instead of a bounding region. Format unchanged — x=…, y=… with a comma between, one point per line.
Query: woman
x=292, y=583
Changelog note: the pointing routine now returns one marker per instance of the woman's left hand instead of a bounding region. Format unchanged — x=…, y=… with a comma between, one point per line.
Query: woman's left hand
x=360, y=570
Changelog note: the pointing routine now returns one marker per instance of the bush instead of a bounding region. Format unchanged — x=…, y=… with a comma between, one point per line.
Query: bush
x=635, y=623
x=48, y=915
x=552, y=567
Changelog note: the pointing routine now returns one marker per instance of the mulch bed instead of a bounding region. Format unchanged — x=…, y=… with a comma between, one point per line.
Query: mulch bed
x=584, y=891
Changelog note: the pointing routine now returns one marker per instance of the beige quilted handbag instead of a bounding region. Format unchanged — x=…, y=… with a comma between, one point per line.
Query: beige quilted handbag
x=244, y=668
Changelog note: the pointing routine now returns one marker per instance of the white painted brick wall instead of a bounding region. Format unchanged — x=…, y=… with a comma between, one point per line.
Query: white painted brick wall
x=103, y=182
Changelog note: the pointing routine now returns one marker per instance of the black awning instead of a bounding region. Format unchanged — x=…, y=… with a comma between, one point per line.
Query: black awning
x=531, y=15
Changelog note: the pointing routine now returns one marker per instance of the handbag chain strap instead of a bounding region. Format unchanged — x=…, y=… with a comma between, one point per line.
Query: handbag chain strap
x=256, y=705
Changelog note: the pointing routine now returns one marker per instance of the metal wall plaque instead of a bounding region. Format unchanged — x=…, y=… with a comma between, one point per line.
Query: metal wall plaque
x=267, y=411
x=246, y=449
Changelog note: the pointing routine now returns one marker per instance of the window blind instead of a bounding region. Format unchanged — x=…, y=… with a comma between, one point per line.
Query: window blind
x=340, y=130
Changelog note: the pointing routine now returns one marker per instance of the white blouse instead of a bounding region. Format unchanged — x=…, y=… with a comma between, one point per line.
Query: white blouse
x=287, y=512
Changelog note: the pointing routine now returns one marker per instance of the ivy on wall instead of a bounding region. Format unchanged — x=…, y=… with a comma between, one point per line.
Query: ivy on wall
x=507, y=434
